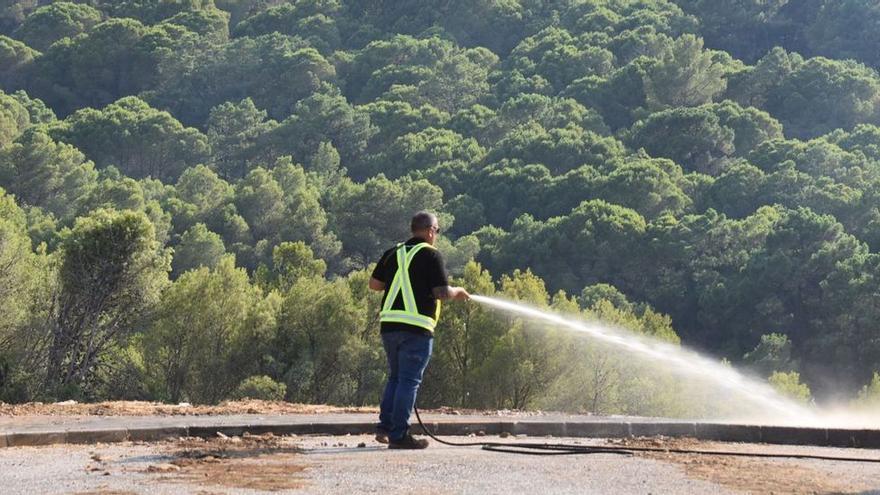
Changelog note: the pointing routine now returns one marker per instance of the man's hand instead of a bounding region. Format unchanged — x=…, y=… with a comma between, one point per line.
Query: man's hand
x=461, y=294
x=455, y=293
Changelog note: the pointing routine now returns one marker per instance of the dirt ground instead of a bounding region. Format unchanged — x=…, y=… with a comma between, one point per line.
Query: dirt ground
x=754, y=475
x=270, y=463
x=139, y=408
x=265, y=464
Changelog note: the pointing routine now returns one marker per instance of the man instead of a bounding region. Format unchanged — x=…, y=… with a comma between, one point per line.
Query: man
x=413, y=276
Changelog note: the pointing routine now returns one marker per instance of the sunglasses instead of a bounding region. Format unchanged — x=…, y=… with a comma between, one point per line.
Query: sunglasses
x=435, y=229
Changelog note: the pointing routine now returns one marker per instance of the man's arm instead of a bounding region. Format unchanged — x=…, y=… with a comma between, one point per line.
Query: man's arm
x=447, y=292
x=440, y=283
x=376, y=285
x=377, y=278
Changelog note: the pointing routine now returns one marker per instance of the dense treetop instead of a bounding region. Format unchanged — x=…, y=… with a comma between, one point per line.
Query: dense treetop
x=702, y=171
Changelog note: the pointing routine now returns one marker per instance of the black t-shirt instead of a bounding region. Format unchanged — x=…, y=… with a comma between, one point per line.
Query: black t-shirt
x=426, y=271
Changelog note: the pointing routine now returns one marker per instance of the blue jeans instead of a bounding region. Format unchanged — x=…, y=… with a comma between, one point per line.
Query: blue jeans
x=408, y=355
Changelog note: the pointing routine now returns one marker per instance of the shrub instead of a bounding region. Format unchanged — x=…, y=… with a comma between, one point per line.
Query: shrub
x=261, y=388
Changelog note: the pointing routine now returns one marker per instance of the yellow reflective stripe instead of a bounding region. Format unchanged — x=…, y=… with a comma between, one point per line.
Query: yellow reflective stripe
x=409, y=298
x=395, y=316
x=395, y=284
x=392, y=293
x=400, y=279
x=401, y=285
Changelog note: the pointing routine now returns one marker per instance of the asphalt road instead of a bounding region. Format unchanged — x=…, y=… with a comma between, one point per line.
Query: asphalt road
x=324, y=465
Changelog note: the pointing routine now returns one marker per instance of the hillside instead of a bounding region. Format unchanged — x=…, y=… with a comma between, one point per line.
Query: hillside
x=194, y=192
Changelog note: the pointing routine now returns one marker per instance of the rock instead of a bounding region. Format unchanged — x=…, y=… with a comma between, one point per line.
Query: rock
x=504, y=434
x=184, y=404
x=222, y=435
x=362, y=445
x=163, y=468
x=481, y=433
x=65, y=403
x=97, y=458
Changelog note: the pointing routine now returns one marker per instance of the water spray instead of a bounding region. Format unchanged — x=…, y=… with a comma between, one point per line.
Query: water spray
x=677, y=359
x=683, y=360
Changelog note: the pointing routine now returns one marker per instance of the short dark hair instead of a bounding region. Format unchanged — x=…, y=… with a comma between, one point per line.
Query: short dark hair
x=422, y=220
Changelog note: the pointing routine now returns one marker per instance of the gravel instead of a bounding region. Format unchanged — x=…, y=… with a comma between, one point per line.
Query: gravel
x=324, y=465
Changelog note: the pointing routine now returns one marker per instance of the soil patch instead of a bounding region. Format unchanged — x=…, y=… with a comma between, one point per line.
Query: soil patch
x=139, y=408
x=754, y=475
x=142, y=408
x=257, y=462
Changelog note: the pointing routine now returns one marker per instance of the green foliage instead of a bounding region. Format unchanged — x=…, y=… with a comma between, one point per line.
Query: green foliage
x=424, y=150
x=211, y=24
x=198, y=247
x=116, y=58
x=392, y=203
x=324, y=117
x=260, y=387
x=553, y=55
x=212, y=328
x=725, y=24
x=833, y=32
x=15, y=58
x=41, y=172
x=693, y=137
x=269, y=151
x=19, y=276
x=234, y=132
x=314, y=20
x=560, y=149
x=14, y=118
x=789, y=384
x=141, y=141
x=283, y=205
x=772, y=354
x=55, y=21
x=810, y=97
x=111, y=273
x=153, y=11
x=685, y=75
x=291, y=261
x=38, y=111
x=869, y=395
x=650, y=187
x=322, y=340
x=275, y=71
x=821, y=95
x=597, y=237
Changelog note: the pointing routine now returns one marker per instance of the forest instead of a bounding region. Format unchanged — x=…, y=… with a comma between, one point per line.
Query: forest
x=193, y=193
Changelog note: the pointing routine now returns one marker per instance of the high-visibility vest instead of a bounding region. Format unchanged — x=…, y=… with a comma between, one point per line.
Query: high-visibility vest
x=402, y=287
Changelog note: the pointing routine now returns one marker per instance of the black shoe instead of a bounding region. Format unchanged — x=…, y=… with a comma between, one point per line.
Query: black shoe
x=381, y=435
x=408, y=442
